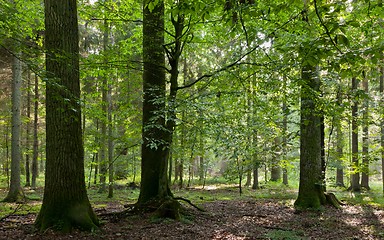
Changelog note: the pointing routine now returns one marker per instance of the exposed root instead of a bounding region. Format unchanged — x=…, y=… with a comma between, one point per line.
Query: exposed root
x=169, y=207
x=189, y=201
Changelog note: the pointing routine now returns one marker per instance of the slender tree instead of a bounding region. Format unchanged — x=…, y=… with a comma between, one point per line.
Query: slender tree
x=15, y=193
x=355, y=176
x=365, y=154
x=35, y=166
x=28, y=133
x=382, y=124
x=65, y=202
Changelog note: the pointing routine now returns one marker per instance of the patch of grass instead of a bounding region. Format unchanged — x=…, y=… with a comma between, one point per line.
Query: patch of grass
x=284, y=235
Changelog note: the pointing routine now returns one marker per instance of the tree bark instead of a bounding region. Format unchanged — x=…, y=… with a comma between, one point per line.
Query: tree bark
x=311, y=193
x=355, y=177
x=28, y=133
x=15, y=193
x=65, y=202
x=154, y=184
x=103, y=123
x=339, y=147
x=382, y=123
x=35, y=166
x=365, y=158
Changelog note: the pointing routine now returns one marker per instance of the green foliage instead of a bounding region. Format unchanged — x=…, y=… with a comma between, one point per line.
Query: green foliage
x=285, y=235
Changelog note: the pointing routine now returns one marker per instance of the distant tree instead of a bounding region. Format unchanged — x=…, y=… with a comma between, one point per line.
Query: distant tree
x=365, y=150
x=65, y=203
x=15, y=193
x=382, y=123
x=355, y=176
x=35, y=163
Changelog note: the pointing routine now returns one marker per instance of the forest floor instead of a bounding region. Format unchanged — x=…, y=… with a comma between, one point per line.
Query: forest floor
x=245, y=217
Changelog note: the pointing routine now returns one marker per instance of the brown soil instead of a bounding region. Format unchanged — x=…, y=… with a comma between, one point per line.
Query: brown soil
x=233, y=219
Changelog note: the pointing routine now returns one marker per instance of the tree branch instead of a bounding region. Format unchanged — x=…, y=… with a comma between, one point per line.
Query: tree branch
x=325, y=27
x=208, y=75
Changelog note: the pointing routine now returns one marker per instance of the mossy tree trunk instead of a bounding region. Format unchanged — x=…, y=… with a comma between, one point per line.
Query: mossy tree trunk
x=311, y=195
x=65, y=203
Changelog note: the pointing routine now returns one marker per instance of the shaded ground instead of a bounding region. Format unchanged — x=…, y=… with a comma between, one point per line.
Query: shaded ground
x=247, y=218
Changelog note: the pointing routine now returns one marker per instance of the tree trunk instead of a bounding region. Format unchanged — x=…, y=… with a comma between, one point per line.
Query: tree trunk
x=110, y=143
x=311, y=194
x=15, y=193
x=339, y=146
x=339, y=152
x=285, y=140
x=275, y=168
x=28, y=133
x=154, y=184
x=382, y=123
x=104, y=120
x=255, y=184
x=35, y=157
x=365, y=158
x=355, y=177
x=65, y=203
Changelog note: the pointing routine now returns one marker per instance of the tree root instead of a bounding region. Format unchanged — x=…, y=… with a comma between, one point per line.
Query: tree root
x=332, y=200
x=189, y=201
x=168, y=207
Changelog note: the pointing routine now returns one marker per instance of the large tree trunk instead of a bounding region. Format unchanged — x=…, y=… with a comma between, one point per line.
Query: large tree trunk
x=311, y=193
x=355, y=177
x=15, y=193
x=365, y=159
x=65, y=203
x=154, y=184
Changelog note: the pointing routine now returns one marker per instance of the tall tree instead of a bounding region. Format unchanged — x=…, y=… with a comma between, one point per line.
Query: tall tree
x=28, y=130
x=65, y=203
x=35, y=163
x=365, y=154
x=154, y=183
x=310, y=189
x=355, y=176
x=382, y=123
x=15, y=193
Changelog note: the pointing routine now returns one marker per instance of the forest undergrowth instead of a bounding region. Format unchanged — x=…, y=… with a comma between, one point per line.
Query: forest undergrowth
x=265, y=213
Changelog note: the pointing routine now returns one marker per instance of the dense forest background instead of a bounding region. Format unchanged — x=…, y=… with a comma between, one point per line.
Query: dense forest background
x=246, y=84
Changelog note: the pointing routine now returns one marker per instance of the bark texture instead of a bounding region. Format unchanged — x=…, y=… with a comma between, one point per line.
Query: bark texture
x=154, y=184
x=15, y=193
x=65, y=203
x=311, y=195
x=355, y=177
